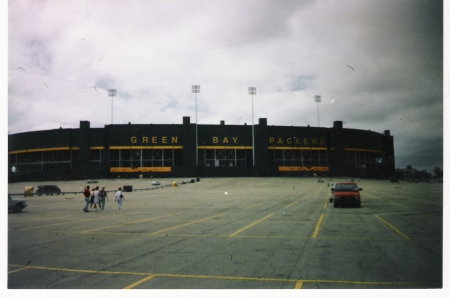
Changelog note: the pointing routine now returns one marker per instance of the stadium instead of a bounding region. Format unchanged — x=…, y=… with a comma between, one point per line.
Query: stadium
x=199, y=150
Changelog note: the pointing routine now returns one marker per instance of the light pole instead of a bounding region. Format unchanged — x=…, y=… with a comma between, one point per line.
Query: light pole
x=112, y=93
x=196, y=89
x=318, y=99
x=252, y=91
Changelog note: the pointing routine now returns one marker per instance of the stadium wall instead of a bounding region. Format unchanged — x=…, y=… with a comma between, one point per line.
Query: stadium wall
x=170, y=150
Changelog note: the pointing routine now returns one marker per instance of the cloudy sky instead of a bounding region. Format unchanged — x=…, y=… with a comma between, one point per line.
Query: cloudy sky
x=378, y=65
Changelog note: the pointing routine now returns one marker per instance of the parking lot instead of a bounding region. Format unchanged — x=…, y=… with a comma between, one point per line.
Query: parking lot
x=229, y=233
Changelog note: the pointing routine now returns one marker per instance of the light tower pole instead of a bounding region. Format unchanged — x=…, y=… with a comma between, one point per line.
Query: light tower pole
x=196, y=89
x=318, y=99
x=112, y=93
x=252, y=91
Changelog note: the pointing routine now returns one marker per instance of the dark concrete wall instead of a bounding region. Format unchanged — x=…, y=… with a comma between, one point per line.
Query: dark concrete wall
x=334, y=139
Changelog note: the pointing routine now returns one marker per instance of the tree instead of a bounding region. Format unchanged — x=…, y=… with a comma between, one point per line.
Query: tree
x=438, y=172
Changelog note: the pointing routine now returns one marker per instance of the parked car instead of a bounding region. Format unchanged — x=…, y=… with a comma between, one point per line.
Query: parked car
x=92, y=181
x=154, y=183
x=47, y=190
x=346, y=193
x=16, y=205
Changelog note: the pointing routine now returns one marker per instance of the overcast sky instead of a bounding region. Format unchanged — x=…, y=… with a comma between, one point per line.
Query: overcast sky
x=378, y=65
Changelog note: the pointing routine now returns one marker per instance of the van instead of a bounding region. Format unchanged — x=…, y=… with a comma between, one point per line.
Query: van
x=47, y=190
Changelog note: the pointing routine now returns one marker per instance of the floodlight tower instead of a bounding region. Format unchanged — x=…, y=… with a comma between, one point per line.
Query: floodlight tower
x=318, y=99
x=196, y=89
x=252, y=91
x=112, y=93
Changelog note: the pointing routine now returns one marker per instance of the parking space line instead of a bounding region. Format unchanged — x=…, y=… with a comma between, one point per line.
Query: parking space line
x=128, y=223
x=187, y=224
x=251, y=206
x=392, y=202
x=17, y=270
x=392, y=227
x=133, y=285
x=79, y=270
x=316, y=229
x=298, y=283
x=57, y=224
x=250, y=225
x=291, y=204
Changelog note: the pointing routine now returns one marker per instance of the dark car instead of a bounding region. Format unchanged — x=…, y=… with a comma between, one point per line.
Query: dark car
x=346, y=193
x=47, y=190
x=16, y=205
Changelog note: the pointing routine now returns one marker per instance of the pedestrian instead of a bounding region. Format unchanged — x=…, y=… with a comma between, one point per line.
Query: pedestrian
x=91, y=201
x=86, y=194
x=96, y=199
x=119, y=198
x=103, y=195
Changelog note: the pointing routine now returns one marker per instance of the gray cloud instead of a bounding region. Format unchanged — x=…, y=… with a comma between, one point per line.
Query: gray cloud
x=153, y=51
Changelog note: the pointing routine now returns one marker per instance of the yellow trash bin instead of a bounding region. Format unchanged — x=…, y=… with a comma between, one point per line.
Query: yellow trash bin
x=174, y=184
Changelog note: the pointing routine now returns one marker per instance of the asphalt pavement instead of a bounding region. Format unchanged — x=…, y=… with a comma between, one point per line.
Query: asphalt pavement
x=229, y=233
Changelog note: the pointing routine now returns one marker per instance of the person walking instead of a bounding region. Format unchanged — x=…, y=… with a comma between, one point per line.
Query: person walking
x=96, y=199
x=86, y=194
x=119, y=198
x=103, y=195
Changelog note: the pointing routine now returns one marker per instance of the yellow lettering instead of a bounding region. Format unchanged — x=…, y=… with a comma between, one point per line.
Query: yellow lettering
x=314, y=141
x=225, y=140
x=215, y=140
x=289, y=141
x=164, y=140
x=280, y=141
x=322, y=142
x=297, y=141
x=235, y=139
x=271, y=140
x=154, y=140
x=174, y=140
x=305, y=141
x=144, y=140
x=133, y=140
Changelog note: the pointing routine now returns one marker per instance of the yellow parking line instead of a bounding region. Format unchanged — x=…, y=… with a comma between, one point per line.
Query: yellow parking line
x=291, y=204
x=392, y=227
x=57, y=224
x=319, y=222
x=147, y=276
x=81, y=270
x=392, y=202
x=251, y=206
x=17, y=270
x=127, y=223
x=250, y=225
x=139, y=282
x=186, y=224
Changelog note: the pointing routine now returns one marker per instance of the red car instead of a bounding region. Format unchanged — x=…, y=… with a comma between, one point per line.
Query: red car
x=346, y=193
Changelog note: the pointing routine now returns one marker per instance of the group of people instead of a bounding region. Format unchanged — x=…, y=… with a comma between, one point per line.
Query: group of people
x=98, y=197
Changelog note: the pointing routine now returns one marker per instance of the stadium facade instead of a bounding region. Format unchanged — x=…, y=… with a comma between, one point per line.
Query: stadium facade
x=170, y=150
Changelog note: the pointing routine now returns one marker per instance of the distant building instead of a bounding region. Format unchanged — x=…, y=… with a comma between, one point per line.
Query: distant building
x=169, y=150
